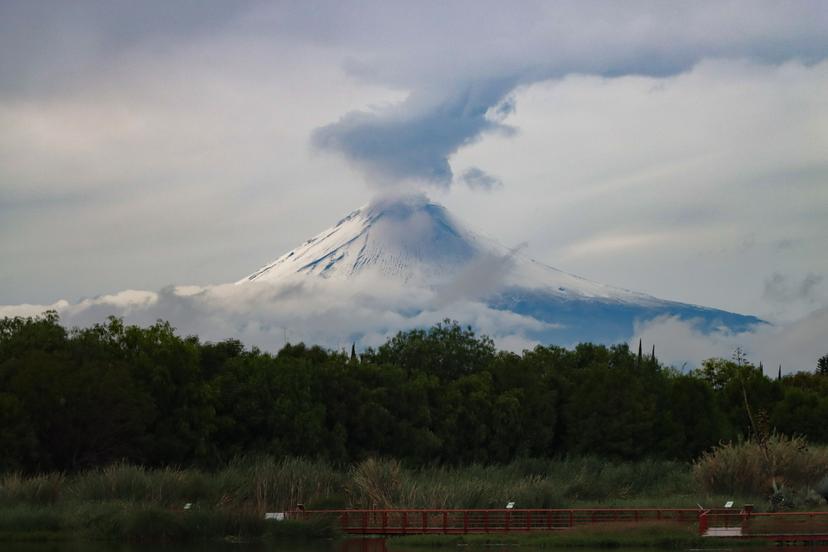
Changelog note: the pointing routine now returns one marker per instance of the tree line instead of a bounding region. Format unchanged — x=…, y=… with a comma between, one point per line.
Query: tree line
x=81, y=398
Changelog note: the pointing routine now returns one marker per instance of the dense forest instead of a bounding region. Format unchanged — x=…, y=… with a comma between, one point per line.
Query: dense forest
x=81, y=398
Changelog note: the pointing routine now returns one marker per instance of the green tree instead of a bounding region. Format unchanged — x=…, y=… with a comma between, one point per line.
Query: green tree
x=446, y=350
x=802, y=412
x=822, y=366
x=692, y=421
x=742, y=391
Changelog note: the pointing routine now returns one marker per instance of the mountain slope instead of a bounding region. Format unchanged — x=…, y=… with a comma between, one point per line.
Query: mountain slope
x=402, y=239
x=409, y=241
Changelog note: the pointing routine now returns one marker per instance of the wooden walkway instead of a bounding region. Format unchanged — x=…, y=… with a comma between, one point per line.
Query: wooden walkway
x=481, y=521
x=783, y=527
x=722, y=523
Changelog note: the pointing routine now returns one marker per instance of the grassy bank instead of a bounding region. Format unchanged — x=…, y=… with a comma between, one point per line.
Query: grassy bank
x=141, y=522
x=264, y=484
x=124, y=502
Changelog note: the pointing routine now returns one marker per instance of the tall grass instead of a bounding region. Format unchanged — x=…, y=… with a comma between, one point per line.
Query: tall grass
x=261, y=484
x=266, y=484
x=39, y=489
x=761, y=468
x=531, y=483
x=126, y=502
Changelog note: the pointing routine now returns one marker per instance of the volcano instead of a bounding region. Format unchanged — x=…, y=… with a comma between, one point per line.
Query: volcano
x=412, y=242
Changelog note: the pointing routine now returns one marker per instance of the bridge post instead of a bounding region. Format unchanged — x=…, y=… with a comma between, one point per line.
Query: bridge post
x=703, y=523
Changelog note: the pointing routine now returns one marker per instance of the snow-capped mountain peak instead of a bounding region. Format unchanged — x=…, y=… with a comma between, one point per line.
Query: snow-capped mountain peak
x=403, y=238
x=411, y=241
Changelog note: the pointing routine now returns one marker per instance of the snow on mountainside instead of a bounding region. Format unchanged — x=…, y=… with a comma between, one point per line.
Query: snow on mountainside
x=411, y=241
x=402, y=238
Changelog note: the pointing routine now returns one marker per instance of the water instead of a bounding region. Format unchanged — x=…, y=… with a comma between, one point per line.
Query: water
x=354, y=545
x=192, y=547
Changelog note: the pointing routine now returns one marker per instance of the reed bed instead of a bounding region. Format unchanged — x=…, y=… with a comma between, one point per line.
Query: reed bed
x=267, y=484
x=530, y=483
x=127, y=502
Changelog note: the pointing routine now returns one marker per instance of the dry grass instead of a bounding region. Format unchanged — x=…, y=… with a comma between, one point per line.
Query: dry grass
x=267, y=484
x=750, y=467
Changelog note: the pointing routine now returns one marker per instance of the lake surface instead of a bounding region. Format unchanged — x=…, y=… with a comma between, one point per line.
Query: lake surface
x=355, y=545
x=84, y=546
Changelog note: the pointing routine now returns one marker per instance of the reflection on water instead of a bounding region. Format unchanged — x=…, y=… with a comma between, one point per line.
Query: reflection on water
x=356, y=545
x=351, y=545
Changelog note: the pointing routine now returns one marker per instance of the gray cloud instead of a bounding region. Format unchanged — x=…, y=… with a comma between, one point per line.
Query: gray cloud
x=468, y=73
x=780, y=288
x=413, y=140
x=50, y=47
x=477, y=179
x=479, y=279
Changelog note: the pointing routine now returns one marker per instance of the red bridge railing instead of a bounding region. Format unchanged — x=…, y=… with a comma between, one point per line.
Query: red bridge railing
x=460, y=521
x=775, y=526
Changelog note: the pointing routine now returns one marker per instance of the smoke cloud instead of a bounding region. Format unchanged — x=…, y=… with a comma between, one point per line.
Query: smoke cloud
x=459, y=79
x=414, y=140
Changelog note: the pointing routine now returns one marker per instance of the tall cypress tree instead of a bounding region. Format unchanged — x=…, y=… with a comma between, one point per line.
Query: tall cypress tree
x=639, y=354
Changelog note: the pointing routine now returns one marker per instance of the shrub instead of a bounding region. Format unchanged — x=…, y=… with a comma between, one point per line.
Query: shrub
x=821, y=488
x=154, y=524
x=29, y=518
x=37, y=489
x=750, y=467
x=376, y=483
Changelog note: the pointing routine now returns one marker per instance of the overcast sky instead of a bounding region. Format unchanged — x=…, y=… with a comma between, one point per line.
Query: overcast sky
x=679, y=149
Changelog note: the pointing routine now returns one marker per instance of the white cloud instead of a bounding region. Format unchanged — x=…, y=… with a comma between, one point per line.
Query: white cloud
x=171, y=170
x=316, y=312
x=685, y=187
x=795, y=346
x=327, y=313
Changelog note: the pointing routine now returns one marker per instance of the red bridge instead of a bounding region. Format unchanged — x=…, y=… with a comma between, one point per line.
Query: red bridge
x=773, y=526
x=460, y=521
x=726, y=523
